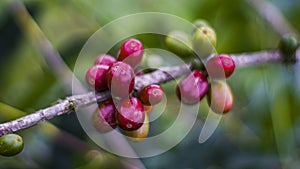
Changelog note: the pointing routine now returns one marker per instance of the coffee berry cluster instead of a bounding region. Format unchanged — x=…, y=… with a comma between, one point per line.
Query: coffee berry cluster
x=128, y=112
x=209, y=69
x=129, y=109
x=192, y=89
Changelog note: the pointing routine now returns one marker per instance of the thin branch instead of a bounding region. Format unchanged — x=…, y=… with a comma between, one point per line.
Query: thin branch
x=160, y=76
x=71, y=103
x=273, y=16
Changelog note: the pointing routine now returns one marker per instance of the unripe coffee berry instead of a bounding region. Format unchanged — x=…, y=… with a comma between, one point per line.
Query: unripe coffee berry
x=220, y=98
x=120, y=79
x=197, y=64
x=288, y=46
x=104, y=118
x=220, y=67
x=96, y=77
x=179, y=43
x=193, y=88
x=151, y=95
x=11, y=144
x=131, y=52
x=130, y=114
x=104, y=59
x=204, y=41
x=141, y=133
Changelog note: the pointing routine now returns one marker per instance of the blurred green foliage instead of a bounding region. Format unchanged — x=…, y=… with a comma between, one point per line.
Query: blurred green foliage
x=262, y=131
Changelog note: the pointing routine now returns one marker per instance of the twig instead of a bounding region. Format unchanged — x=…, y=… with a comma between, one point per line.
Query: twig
x=273, y=16
x=71, y=103
x=160, y=76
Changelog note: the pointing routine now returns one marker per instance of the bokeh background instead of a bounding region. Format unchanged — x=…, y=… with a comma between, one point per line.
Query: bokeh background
x=262, y=130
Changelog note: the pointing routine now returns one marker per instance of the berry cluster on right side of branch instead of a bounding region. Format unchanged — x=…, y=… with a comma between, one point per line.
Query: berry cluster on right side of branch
x=209, y=69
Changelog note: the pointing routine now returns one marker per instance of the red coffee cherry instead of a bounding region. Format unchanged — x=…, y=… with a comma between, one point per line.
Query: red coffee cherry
x=104, y=59
x=141, y=133
x=120, y=79
x=96, y=77
x=219, y=97
x=220, y=67
x=130, y=114
x=151, y=95
x=193, y=88
x=104, y=118
x=131, y=52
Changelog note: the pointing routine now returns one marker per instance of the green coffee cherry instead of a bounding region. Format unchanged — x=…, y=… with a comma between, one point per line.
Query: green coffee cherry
x=179, y=43
x=11, y=144
x=288, y=46
x=204, y=41
x=197, y=64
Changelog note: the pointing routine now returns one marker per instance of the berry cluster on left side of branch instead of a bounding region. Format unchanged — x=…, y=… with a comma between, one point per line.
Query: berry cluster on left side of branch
x=128, y=112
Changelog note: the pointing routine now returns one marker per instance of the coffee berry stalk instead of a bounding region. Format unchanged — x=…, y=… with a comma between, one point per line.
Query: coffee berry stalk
x=11, y=145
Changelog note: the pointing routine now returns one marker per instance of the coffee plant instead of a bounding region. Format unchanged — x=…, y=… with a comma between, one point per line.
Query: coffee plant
x=131, y=94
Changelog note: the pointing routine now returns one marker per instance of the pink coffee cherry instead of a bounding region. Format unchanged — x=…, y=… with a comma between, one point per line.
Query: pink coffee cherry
x=130, y=114
x=120, y=79
x=221, y=66
x=105, y=59
x=104, y=118
x=96, y=77
x=151, y=95
x=193, y=88
x=131, y=52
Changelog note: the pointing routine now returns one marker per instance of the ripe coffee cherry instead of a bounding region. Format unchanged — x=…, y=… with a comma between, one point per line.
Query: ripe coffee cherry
x=131, y=52
x=130, y=114
x=151, y=95
x=179, y=43
x=11, y=144
x=120, y=79
x=104, y=59
x=220, y=98
x=141, y=133
x=204, y=41
x=96, y=77
x=193, y=88
x=220, y=67
x=104, y=118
